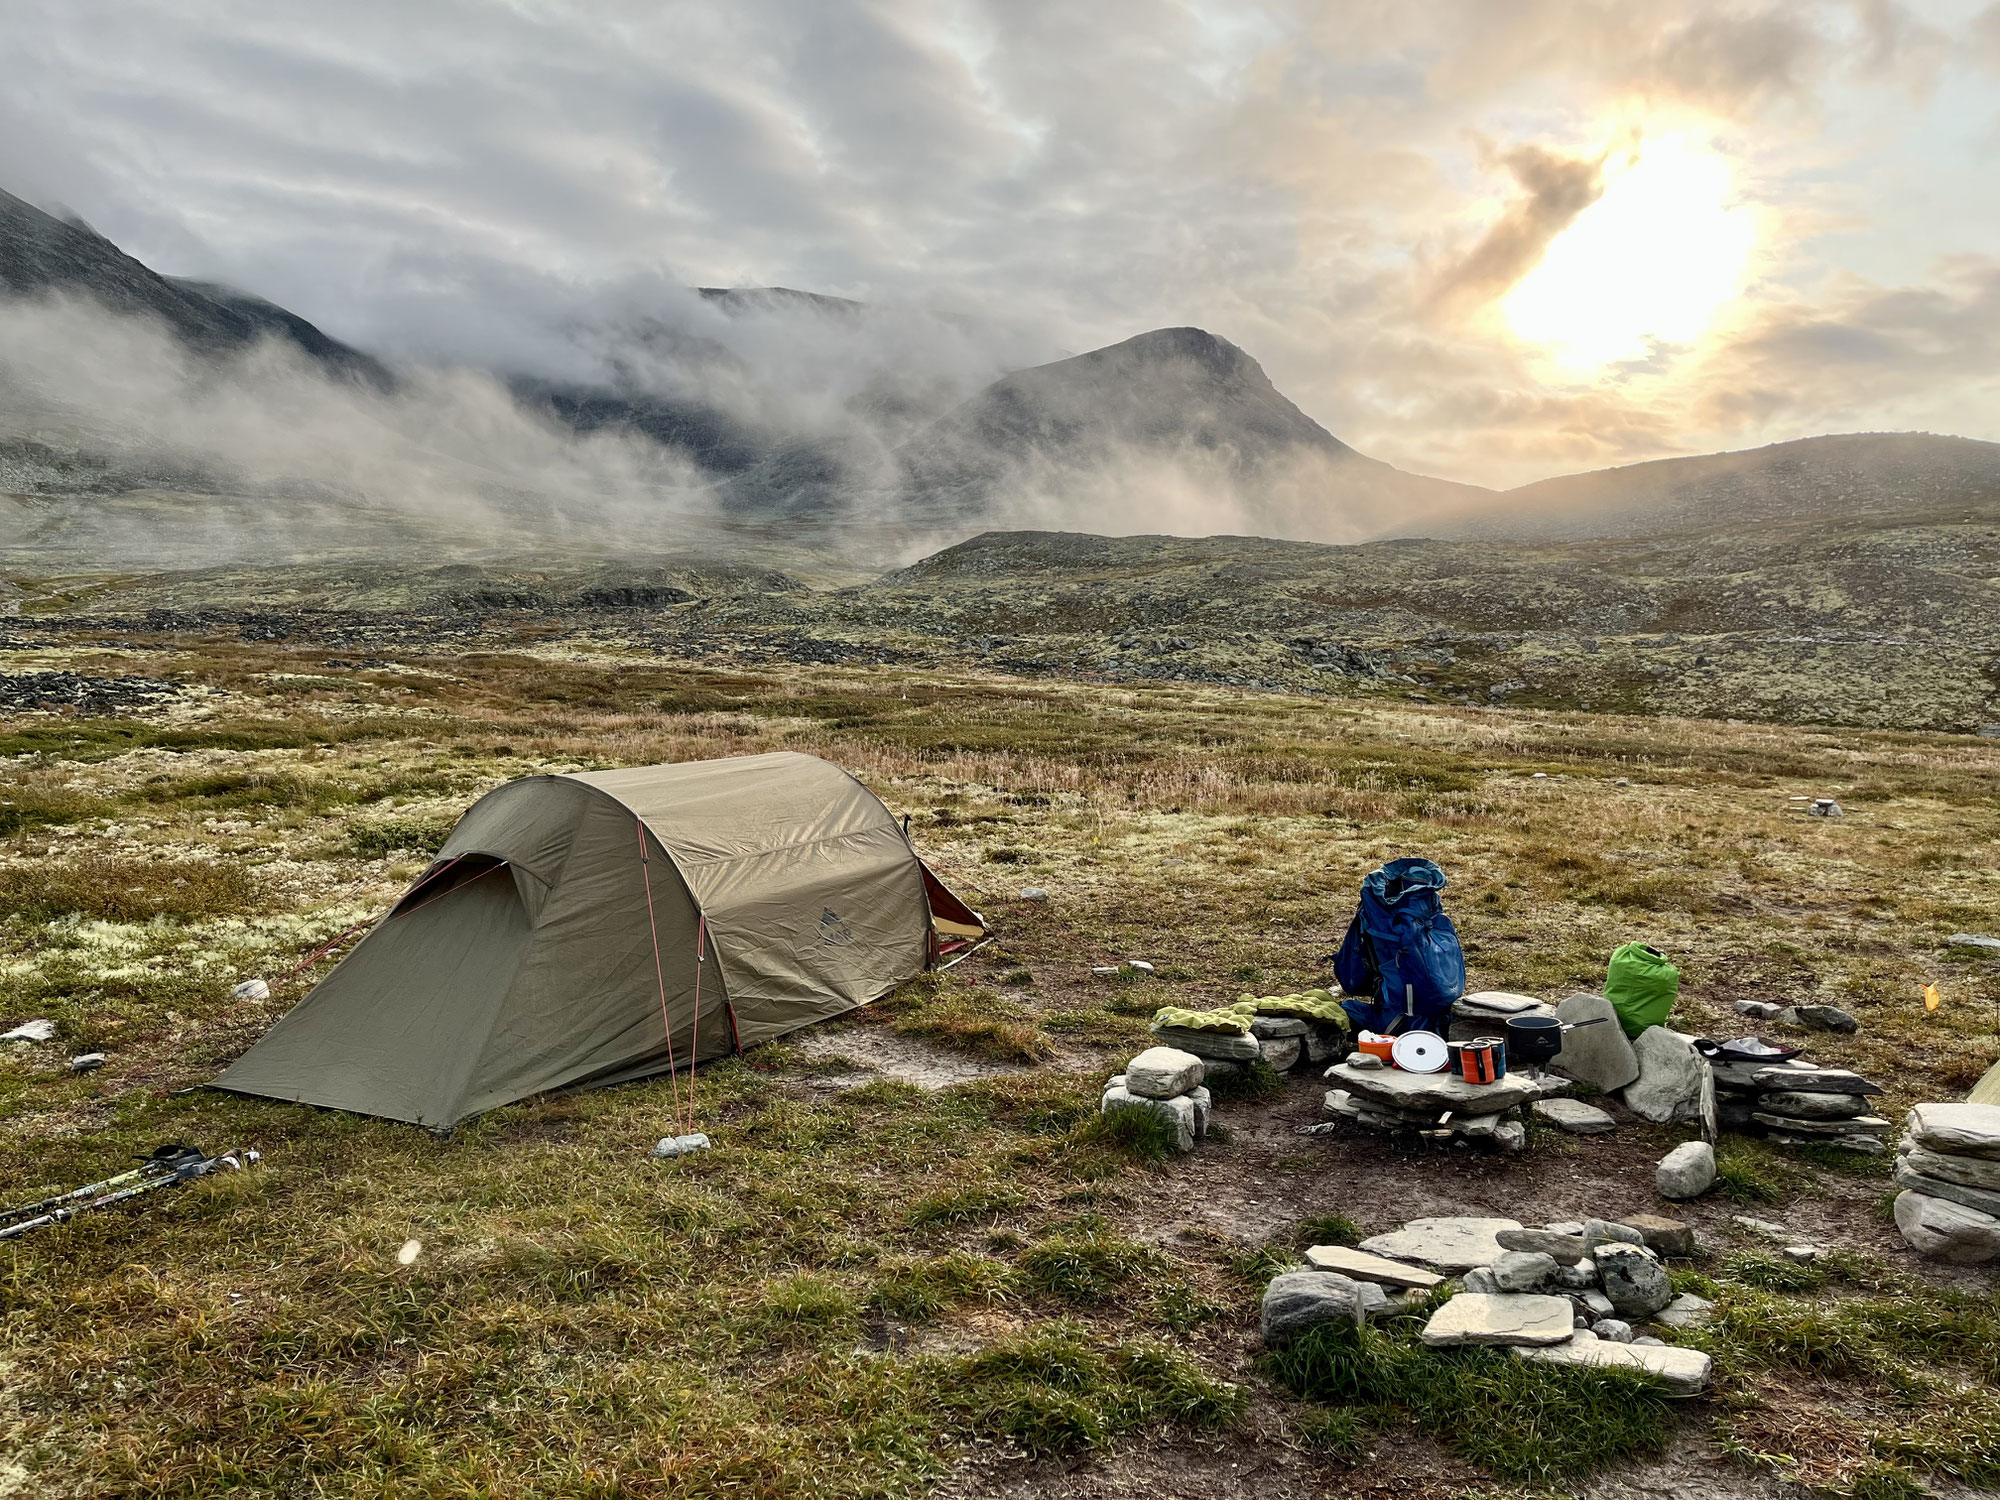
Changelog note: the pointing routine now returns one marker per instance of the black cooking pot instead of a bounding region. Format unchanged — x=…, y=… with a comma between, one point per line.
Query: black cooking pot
x=1534, y=1040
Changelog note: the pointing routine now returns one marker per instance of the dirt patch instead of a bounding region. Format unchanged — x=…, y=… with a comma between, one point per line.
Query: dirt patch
x=880, y=1053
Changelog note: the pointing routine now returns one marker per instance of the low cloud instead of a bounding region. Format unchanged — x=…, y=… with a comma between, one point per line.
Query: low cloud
x=1557, y=188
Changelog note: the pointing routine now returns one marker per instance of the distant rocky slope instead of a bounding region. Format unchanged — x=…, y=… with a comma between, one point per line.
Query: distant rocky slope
x=1178, y=396
x=1911, y=475
x=41, y=254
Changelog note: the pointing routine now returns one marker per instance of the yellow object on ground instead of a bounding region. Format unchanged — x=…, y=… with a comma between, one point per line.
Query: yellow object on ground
x=1230, y=1020
x=1312, y=1005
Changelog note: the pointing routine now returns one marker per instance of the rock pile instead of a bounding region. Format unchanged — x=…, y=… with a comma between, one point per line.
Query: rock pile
x=1948, y=1166
x=1570, y=1293
x=1798, y=1103
x=1166, y=1082
x=1281, y=1031
x=1439, y=1103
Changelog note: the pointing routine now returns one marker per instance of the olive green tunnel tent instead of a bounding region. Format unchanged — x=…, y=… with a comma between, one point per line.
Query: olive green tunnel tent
x=559, y=939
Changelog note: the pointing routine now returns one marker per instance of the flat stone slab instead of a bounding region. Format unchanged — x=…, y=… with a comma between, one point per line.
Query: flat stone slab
x=1393, y=1089
x=1206, y=1044
x=1274, y=1028
x=1598, y=1055
x=1797, y=1104
x=1500, y=1318
x=1857, y=1125
x=1800, y=1078
x=1450, y=1245
x=1957, y=1129
x=1973, y=1171
x=1685, y=1311
x=1499, y=1003
x=1574, y=1116
x=1685, y=1372
x=1985, y=1200
x=1974, y=940
x=1359, y=1265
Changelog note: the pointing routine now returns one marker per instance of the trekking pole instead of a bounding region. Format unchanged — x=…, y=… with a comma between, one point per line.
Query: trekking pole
x=150, y=1166
x=160, y=1170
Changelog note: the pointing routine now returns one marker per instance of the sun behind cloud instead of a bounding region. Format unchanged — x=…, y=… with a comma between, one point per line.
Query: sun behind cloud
x=1649, y=263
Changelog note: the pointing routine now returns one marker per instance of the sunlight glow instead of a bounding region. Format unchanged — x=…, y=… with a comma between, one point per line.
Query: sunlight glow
x=1649, y=263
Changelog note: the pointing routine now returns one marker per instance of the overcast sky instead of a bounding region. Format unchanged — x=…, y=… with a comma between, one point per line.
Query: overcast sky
x=1752, y=222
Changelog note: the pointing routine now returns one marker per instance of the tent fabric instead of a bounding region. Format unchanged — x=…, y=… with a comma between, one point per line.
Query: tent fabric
x=527, y=959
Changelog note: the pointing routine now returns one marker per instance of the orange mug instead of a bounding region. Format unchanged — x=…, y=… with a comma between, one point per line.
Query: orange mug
x=1376, y=1045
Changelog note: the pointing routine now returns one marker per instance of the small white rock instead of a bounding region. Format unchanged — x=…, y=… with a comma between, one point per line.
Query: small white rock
x=251, y=989
x=407, y=1256
x=1138, y=965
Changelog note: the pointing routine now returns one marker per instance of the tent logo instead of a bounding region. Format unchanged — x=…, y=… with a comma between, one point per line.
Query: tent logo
x=832, y=931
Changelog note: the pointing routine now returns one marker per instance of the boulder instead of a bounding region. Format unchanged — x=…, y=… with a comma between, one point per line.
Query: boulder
x=1499, y=1319
x=1574, y=1116
x=1633, y=1279
x=1523, y=1271
x=1943, y=1230
x=1800, y=1105
x=1984, y=1200
x=1662, y=1236
x=1298, y=1300
x=1564, y=1249
x=1957, y=1129
x=1179, y=1112
x=1479, y=1279
x=1510, y=1136
x=1669, y=1084
x=1685, y=1372
x=1359, y=1265
x=1687, y=1171
x=1827, y=1018
x=1162, y=1073
x=1282, y=1053
x=1613, y=1330
x=1445, y=1244
x=1973, y=1171
x=1209, y=1044
x=1685, y=1311
x=1393, y=1089
x=1597, y=1055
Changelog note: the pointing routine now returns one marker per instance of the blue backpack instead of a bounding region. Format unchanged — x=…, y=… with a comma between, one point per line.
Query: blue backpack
x=1401, y=961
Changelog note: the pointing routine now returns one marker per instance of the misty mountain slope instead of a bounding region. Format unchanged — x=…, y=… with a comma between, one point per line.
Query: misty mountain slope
x=1906, y=474
x=1123, y=425
x=41, y=254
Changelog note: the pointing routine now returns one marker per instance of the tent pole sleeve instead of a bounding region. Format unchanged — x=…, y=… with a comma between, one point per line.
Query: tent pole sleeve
x=659, y=973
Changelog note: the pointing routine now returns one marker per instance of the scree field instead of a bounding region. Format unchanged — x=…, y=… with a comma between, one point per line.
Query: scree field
x=917, y=1261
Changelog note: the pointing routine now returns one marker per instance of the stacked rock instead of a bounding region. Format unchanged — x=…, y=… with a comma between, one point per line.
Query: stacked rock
x=1439, y=1104
x=1948, y=1166
x=1570, y=1293
x=1798, y=1103
x=1279, y=1030
x=1164, y=1082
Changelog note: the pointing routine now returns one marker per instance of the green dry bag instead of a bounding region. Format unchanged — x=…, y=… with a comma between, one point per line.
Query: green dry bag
x=1642, y=987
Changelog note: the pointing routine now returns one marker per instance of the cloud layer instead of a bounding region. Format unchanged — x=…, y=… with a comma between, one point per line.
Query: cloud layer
x=1343, y=189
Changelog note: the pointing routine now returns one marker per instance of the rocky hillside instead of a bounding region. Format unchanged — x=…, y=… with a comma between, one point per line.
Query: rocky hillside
x=41, y=255
x=1906, y=475
x=1176, y=399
